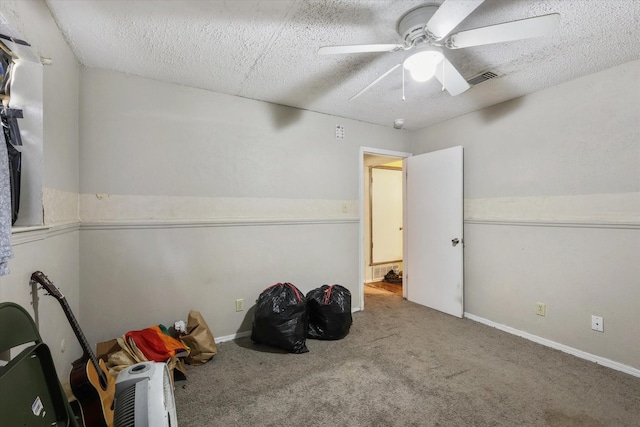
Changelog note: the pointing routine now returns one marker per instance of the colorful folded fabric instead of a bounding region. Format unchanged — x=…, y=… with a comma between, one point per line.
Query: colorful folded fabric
x=156, y=345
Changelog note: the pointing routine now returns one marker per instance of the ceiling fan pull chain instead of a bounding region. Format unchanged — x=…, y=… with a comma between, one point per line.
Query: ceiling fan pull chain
x=403, y=98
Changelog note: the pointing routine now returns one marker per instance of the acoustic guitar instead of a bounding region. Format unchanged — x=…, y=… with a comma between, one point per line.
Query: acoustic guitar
x=89, y=378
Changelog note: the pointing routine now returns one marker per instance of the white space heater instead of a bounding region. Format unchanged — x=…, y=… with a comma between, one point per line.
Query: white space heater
x=144, y=397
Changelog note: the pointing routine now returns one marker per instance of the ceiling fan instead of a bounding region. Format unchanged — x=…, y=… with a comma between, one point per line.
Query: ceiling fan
x=426, y=32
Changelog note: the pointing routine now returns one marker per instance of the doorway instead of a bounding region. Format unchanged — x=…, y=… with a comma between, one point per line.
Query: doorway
x=384, y=239
x=381, y=244
x=433, y=212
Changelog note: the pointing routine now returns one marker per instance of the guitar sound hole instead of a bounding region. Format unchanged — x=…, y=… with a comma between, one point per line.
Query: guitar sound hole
x=103, y=382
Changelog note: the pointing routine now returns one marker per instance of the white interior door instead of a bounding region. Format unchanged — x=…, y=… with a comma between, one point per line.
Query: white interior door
x=433, y=256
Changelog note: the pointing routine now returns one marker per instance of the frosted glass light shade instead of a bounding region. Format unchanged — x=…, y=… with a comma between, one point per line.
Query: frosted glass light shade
x=422, y=64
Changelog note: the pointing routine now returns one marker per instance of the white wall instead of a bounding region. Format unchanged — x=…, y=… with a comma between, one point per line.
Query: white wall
x=193, y=199
x=54, y=249
x=54, y=252
x=552, y=211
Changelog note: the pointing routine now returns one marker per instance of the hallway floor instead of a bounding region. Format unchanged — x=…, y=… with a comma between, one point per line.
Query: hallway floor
x=396, y=288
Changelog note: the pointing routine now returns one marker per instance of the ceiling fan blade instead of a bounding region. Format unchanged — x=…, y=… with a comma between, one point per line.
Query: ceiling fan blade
x=450, y=78
x=359, y=48
x=449, y=15
x=508, y=31
x=373, y=83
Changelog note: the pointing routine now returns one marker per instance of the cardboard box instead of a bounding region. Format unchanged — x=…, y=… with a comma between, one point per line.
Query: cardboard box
x=105, y=348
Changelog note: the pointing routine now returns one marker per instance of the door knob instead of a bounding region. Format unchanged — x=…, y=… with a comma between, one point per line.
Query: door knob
x=454, y=242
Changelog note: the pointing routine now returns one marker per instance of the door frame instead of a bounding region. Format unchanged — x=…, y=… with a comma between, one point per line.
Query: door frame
x=380, y=152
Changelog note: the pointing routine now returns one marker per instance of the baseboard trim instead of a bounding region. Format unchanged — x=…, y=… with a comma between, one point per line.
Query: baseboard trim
x=232, y=337
x=564, y=348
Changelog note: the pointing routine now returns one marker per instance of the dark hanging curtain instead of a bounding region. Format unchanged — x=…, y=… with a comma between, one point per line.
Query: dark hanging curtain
x=12, y=139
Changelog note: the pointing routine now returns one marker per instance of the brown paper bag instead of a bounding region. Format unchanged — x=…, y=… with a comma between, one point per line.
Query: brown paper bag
x=119, y=361
x=175, y=364
x=199, y=339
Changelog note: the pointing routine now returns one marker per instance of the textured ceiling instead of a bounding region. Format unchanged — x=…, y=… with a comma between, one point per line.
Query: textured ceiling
x=266, y=50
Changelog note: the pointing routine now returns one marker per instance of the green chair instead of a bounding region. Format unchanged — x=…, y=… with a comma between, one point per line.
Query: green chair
x=30, y=393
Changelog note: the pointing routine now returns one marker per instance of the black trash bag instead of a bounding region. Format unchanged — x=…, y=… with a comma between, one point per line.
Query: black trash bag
x=392, y=277
x=280, y=319
x=329, y=309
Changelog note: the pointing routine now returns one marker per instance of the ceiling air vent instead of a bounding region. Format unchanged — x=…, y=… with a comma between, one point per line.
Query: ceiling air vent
x=482, y=78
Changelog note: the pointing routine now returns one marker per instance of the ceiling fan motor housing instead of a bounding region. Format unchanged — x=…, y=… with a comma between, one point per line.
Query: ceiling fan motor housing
x=411, y=26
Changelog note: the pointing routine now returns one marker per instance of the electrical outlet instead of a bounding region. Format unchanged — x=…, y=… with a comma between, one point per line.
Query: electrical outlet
x=541, y=309
x=63, y=346
x=345, y=208
x=239, y=304
x=597, y=323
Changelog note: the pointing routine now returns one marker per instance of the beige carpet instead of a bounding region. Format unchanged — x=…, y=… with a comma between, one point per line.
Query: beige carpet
x=406, y=365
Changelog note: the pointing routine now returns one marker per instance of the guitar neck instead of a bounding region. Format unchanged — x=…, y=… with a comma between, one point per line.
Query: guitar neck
x=86, y=348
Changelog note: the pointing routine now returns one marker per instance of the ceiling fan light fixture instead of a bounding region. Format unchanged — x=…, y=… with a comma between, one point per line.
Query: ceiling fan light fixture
x=423, y=63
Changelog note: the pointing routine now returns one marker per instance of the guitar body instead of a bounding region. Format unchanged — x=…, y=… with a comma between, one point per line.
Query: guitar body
x=96, y=400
